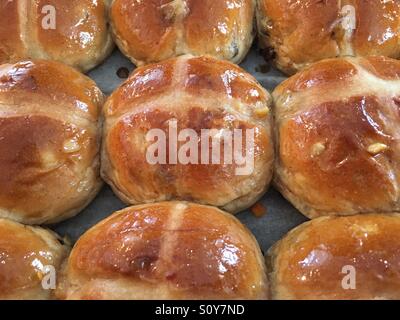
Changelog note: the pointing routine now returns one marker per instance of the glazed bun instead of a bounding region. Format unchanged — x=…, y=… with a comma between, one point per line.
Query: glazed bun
x=170, y=250
x=353, y=257
x=152, y=31
x=303, y=32
x=28, y=255
x=71, y=31
x=183, y=96
x=49, y=141
x=337, y=128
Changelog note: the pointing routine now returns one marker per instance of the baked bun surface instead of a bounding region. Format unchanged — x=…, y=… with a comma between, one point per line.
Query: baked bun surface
x=198, y=94
x=74, y=32
x=303, y=32
x=353, y=257
x=169, y=250
x=49, y=141
x=154, y=30
x=338, y=137
x=25, y=252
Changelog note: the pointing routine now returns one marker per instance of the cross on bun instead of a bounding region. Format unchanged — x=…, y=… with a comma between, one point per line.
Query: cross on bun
x=30, y=258
x=155, y=30
x=170, y=250
x=342, y=258
x=306, y=31
x=190, y=94
x=337, y=127
x=74, y=32
x=49, y=141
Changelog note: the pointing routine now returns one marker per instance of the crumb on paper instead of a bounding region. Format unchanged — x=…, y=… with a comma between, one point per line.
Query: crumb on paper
x=258, y=210
x=123, y=73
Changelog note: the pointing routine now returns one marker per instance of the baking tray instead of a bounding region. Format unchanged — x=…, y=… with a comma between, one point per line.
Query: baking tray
x=280, y=215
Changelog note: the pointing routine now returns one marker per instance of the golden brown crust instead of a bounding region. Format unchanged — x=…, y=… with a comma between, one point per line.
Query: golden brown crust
x=154, y=30
x=50, y=137
x=303, y=32
x=170, y=250
x=24, y=254
x=337, y=135
x=200, y=93
x=353, y=257
x=80, y=38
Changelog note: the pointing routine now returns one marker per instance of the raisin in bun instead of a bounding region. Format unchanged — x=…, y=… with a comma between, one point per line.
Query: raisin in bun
x=337, y=126
x=170, y=250
x=151, y=31
x=74, y=32
x=49, y=141
x=197, y=94
x=303, y=32
x=30, y=258
x=353, y=257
